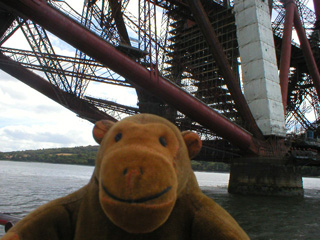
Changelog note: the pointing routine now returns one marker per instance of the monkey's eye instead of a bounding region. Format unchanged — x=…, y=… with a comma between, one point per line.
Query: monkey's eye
x=118, y=137
x=163, y=141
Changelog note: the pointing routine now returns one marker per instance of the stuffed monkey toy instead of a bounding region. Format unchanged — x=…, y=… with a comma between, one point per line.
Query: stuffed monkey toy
x=142, y=187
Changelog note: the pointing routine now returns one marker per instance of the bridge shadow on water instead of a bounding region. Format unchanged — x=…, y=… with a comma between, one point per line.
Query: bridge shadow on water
x=266, y=218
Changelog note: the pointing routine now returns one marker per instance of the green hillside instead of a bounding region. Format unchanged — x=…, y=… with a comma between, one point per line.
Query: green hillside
x=76, y=155
x=87, y=155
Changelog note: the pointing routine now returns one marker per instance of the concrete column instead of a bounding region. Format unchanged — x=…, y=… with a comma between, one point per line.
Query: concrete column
x=259, y=65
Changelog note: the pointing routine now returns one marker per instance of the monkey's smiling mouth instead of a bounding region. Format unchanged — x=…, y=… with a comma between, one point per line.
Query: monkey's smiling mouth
x=139, y=200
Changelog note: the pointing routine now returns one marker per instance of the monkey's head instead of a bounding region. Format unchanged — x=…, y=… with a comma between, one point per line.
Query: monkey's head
x=142, y=166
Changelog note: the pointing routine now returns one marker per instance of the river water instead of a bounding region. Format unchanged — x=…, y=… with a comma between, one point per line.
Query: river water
x=25, y=186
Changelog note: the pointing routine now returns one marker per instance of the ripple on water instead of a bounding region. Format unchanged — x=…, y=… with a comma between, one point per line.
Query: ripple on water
x=25, y=186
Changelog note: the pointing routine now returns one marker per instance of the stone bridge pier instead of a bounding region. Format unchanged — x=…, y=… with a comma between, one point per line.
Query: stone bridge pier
x=261, y=175
x=265, y=176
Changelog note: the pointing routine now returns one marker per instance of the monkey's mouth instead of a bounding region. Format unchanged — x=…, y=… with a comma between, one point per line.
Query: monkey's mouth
x=138, y=200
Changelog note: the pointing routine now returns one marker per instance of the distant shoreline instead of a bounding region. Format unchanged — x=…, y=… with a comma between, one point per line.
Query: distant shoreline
x=86, y=156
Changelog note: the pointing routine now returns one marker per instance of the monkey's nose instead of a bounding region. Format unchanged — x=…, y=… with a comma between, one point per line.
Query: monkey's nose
x=132, y=175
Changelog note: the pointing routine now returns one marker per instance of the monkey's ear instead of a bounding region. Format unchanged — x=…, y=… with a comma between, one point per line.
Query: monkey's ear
x=100, y=129
x=193, y=143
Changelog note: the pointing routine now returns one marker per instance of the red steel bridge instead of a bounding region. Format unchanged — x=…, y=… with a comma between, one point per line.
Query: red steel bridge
x=182, y=58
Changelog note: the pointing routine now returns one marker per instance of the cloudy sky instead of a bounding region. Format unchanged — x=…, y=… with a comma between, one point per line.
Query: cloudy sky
x=30, y=120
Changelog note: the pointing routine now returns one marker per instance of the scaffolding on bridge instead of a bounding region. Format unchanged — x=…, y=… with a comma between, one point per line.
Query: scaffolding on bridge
x=164, y=37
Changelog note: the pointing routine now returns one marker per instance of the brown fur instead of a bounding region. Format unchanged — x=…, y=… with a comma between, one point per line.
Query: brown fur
x=143, y=187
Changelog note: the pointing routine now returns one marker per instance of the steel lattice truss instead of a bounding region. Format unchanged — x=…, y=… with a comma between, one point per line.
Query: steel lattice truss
x=302, y=99
x=164, y=38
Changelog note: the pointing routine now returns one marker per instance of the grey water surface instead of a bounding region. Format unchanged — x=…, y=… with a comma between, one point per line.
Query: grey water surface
x=24, y=186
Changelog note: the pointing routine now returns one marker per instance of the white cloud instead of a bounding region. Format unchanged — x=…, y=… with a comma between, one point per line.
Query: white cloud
x=121, y=95
x=76, y=5
x=29, y=120
x=17, y=39
x=61, y=47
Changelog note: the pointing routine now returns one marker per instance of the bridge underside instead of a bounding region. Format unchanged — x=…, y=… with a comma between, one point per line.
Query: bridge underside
x=192, y=87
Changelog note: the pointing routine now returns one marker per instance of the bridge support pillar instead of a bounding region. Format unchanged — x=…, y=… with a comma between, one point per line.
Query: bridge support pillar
x=259, y=65
x=272, y=179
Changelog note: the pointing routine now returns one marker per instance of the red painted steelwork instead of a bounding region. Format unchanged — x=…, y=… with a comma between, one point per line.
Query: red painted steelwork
x=41, y=85
x=306, y=48
x=202, y=20
x=286, y=52
x=117, y=15
x=79, y=37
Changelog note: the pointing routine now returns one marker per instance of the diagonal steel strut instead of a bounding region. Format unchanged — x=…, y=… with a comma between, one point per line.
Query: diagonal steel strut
x=79, y=106
x=286, y=52
x=216, y=50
